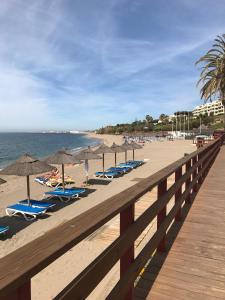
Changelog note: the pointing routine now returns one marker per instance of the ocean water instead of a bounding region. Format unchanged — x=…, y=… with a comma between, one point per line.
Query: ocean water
x=12, y=145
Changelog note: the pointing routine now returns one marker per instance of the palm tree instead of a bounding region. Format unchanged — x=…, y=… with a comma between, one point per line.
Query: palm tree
x=149, y=119
x=212, y=77
x=163, y=118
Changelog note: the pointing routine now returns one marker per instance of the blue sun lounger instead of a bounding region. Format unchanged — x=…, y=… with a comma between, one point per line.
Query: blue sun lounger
x=80, y=190
x=3, y=229
x=107, y=174
x=67, y=194
x=138, y=162
x=120, y=170
x=126, y=168
x=128, y=165
x=36, y=203
x=29, y=213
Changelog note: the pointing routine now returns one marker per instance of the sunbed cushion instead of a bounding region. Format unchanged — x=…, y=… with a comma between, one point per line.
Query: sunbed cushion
x=73, y=190
x=108, y=173
x=27, y=209
x=37, y=203
x=66, y=192
x=114, y=169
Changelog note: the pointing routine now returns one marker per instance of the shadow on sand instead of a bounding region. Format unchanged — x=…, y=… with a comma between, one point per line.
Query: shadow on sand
x=18, y=223
x=98, y=181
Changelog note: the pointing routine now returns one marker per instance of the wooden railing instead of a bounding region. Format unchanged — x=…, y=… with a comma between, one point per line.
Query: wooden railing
x=17, y=268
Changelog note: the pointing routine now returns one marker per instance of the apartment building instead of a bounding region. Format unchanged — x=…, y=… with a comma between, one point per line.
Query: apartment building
x=214, y=107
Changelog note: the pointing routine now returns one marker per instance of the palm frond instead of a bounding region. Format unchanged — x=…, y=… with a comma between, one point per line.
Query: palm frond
x=212, y=75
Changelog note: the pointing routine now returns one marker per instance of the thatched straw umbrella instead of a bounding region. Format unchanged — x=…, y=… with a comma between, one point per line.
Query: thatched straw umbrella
x=102, y=150
x=126, y=147
x=27, y=165
x=86, y=155
x=117, y=149
x=135, y=146
x=61, y=157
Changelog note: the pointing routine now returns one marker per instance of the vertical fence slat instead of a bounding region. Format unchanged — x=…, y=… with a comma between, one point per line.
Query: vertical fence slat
x=21, y=293
x=199, y=169
x=162, y=188
x=24, y=292
x=126, y=219
x=194, y=161
x=178, y=175
x=188, y=181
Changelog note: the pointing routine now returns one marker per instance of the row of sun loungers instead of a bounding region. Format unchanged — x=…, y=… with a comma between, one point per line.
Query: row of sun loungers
x=120, y=170
x=34, y=208
x=30, y=210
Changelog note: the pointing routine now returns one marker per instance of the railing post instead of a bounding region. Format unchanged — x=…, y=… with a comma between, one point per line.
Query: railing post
x=178, y=175
x=199, y=169
x=21, y=293
x=188, y=181
x=204, y=161
x=194, y=161
x=126, y=219
x=162, y=188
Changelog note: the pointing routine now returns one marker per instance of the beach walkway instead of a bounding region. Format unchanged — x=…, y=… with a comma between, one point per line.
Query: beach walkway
x=194, y=266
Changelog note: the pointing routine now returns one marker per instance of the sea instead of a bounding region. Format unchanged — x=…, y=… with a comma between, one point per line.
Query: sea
x=13, y=145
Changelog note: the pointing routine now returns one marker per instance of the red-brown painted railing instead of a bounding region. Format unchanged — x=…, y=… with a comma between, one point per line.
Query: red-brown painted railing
x=17, y=268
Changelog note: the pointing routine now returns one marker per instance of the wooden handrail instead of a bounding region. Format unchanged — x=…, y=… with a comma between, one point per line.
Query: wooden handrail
x=103, y=263
x=19, y=266
x=120, y=289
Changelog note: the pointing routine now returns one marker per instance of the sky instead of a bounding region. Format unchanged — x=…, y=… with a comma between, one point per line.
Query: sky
x=72, y=64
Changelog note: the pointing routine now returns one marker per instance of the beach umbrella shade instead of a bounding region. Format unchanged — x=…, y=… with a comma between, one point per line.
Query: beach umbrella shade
x=135, y=146
x=2, y=181
x=61, y=157
x=86, y=155
x=116, y=149
x=102, y=149
x=27, y=165
x=126, y=147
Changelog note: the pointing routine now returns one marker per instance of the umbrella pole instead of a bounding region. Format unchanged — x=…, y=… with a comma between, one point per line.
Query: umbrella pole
x=103, y=162
x=86, y=170
x=115, y=159
x=125, y=156
x=133, y=154
x=28, y=190
x=63, y=177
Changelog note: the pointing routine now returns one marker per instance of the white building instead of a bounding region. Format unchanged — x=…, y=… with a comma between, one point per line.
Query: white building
x=214, y=107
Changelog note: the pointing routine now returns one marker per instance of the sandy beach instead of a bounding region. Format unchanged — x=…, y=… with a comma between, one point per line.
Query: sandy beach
x=156, y=155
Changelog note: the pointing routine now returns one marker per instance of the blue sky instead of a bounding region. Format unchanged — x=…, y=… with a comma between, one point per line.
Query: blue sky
x=69, y=64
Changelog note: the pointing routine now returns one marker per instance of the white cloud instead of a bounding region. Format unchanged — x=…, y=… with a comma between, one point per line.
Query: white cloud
x=22, y=105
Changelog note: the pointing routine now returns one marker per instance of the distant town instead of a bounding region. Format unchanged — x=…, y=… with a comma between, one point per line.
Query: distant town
x=208, y=116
